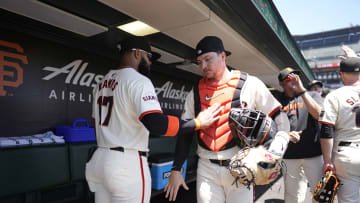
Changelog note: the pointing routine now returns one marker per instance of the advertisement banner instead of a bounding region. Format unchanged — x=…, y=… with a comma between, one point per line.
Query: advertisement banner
x=44, y=84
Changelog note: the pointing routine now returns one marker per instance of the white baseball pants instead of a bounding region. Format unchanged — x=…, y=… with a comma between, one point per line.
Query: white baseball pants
x=119, y=177
x=347, y=166
x=300, y=172
x=214, y=184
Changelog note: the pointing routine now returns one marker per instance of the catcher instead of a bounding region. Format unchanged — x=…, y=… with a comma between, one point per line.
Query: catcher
x=259, y=160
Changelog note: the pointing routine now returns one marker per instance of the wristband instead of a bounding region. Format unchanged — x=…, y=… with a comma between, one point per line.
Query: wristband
x=198, y=124
x=301, y=93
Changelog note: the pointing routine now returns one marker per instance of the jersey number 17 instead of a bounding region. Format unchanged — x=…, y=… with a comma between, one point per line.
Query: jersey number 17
x=108, y=102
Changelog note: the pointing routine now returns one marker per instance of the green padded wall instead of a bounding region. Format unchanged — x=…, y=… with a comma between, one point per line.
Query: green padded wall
x=31, y=168
x=77, y=156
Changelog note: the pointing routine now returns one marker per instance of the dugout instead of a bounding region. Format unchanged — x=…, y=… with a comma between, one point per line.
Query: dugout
x=53, y=52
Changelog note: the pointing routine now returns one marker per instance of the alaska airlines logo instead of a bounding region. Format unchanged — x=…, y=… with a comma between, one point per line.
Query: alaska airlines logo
x=207, y=98
x=12, y=76
x=88, y=79
x=75, y=74
x=170, y=92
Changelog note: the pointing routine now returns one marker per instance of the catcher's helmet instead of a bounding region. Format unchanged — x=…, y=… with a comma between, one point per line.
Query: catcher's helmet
x=251, y=127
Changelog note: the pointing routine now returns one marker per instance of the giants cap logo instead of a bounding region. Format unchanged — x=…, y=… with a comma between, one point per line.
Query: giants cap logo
x=11, y=73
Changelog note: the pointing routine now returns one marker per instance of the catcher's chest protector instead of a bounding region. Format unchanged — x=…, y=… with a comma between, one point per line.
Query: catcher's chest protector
x=218, y=136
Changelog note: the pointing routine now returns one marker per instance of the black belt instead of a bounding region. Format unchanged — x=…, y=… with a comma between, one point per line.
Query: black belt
x=121, y=149
x=220, y=162
x=342, y=143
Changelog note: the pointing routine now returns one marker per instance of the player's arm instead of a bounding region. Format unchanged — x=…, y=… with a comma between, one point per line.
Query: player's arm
x=182, y=150
x=279, y=144
x=312, y=106
x=327, y=142
x=161, y=124
x=158, y=123
x=328, y=118
x=267, y=103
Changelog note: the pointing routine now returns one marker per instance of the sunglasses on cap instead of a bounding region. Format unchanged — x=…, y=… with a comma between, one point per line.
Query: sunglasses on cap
x=149, y=55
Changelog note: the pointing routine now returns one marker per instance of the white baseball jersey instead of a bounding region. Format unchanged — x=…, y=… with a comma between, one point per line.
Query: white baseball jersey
x=121, y=99
x=254, y=95
x=342, y=110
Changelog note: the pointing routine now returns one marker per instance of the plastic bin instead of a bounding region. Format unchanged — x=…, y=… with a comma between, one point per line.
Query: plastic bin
x=77, y=132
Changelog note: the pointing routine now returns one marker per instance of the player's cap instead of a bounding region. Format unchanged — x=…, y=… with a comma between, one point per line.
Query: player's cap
x=285, y=72
x=210, y=44
x=351, y=64
x=137, y=43
x=315, y=82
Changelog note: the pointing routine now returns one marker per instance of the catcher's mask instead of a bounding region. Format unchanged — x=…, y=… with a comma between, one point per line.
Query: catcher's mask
x=252, y=128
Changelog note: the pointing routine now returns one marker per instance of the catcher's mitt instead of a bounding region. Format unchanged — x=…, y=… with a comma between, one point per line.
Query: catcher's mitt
x=326, y=188
x=255, y=166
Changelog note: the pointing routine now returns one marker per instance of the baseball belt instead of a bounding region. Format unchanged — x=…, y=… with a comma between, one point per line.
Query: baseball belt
x=122, y=149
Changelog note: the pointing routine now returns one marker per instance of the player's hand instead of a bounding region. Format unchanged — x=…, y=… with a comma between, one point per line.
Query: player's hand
x=348, y=52
x=328, y=167
x=296, y=83
x=209, y=116
x=172, y=187
x=295, y=136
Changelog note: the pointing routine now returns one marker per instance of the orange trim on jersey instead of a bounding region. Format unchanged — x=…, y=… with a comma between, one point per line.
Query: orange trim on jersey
x=198, y=124
x=275, y=110
x=149, y=112
x=326, y=123
x=173, y=126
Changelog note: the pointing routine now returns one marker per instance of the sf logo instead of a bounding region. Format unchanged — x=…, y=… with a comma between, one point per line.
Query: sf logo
x=11, y=74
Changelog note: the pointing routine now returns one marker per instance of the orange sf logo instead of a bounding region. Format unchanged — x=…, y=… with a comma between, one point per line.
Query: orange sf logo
x=13, y=70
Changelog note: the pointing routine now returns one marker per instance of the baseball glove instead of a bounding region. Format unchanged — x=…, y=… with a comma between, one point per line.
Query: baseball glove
x=255, y=166
x=326, y=188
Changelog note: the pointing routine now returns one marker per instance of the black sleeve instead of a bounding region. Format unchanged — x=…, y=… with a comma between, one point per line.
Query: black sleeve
x=276, y=113
x=183, y=144
x=158, y=124
x=327, y=131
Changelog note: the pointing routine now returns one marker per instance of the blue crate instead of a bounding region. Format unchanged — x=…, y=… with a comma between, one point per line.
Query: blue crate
x=161, y=168
x=76, y=132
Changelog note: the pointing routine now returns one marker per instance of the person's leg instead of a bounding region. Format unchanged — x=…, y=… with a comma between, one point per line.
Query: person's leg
x=347, y=167
x=102, y=195
x=235, y=193
x=349, y=190
x=95, y=176
x=313, y=171
x=127, y=177
x=295, y=181
x=208, y=188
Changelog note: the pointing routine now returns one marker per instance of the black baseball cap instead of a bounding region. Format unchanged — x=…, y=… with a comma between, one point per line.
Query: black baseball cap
x=351, y=64
x=285, y=72
x=315, y=82
x=210, y=44
x=137, y=43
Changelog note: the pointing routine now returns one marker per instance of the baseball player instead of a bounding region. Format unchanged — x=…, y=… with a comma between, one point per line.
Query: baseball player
x=303, y=159
x=340, y=131
x=125, y=110
x=216, y=145
x=316, y=86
